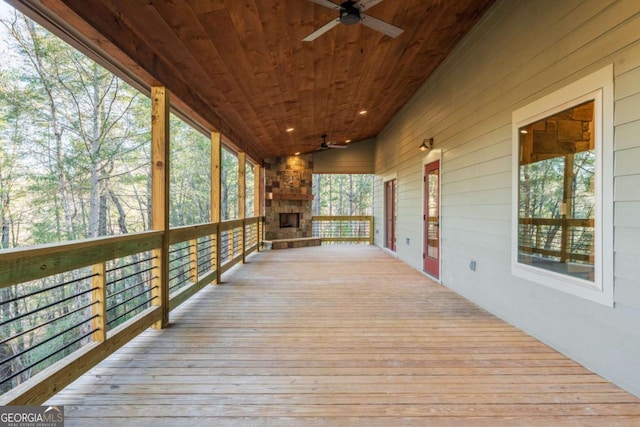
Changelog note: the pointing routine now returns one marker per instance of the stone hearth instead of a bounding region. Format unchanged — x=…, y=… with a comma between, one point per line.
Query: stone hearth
x=288, y=191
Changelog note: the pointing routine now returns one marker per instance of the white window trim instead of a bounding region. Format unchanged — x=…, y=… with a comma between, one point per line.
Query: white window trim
x=599, y=87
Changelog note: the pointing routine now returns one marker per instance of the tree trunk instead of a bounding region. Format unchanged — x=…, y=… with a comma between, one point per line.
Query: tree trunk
x=5, y=225
x=63, y=181
x=122, y=223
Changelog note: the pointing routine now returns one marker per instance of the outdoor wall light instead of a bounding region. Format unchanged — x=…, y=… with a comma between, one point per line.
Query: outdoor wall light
x=427, y=143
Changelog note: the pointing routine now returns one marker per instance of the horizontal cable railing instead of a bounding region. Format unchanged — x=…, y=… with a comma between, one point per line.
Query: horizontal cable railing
x=251, y=236
x=560, y=239
x=41, y=322
x=231, y=247
x=70, y=305
x=343, y=229
x=129, y=282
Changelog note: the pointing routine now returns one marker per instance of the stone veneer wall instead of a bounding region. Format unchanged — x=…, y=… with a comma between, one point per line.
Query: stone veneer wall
x=288, y=190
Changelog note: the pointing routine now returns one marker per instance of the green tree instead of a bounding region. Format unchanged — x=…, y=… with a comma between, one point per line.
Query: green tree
x=341, y=194
x=83, y=132
x=229, y=191
x=190, y=198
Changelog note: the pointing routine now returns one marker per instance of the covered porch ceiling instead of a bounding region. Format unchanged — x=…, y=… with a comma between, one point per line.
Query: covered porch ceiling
x=240, y=66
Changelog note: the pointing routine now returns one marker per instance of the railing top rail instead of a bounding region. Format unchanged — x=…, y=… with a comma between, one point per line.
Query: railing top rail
x=31, y=263
x=341, y=217
x=231, y=224
x=188, y=232
x=571, y=222
x=252, y=220
x=18, y=265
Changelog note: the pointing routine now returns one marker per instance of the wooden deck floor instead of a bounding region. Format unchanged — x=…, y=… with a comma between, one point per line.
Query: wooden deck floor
x=339, y=336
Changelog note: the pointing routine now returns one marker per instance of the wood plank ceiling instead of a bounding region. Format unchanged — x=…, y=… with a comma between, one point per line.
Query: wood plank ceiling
x=242, y=64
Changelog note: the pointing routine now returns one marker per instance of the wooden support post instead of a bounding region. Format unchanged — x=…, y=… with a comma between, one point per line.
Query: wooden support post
x=567, y=208
x=257, y=196
x=216, y=199
x=160, y=198
x=99, y=297
x=242, y=199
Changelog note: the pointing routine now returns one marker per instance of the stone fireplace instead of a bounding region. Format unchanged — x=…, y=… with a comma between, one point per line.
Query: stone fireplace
x=288, y=197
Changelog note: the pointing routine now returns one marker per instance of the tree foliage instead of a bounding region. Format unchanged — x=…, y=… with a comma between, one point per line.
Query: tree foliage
x=336, y=194
x=74, y=140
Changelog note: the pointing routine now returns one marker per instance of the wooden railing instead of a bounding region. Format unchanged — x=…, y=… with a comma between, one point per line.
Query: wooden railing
x=107, y=291
x=551, y=237
x=343, y=229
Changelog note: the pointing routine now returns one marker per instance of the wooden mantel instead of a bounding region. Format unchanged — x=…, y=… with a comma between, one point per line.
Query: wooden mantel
x=291, y=196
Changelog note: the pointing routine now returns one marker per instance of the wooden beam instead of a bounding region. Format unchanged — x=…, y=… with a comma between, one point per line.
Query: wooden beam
x=160, y=198
x=242, y=199
x=242, y=185
x=216, y=197
x=257, y=200
x=257, y=190
x=567, y=206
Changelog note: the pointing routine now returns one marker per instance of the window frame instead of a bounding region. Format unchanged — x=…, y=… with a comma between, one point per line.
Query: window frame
x=598, y=87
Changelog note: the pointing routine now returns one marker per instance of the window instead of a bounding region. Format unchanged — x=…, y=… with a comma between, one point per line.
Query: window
x=562, y=189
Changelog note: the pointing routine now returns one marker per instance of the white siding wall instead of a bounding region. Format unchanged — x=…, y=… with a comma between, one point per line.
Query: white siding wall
x=520, y=51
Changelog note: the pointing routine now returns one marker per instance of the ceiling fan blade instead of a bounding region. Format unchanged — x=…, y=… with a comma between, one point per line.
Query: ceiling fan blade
x=327, y=3
x=320, y=31
x=336, y=146
x=366, y=4
x=381, y=26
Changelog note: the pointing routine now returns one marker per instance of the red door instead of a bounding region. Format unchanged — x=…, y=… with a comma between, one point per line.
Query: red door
x=390, y=214
x=432, y=219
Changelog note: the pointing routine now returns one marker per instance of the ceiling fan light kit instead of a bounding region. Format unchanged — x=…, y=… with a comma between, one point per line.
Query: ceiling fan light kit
x=349, y=15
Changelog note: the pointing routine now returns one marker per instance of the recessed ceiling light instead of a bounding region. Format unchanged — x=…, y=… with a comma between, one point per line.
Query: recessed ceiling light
x=297, y=153
x=523, y=131
x=347, y=141
x=290, y=129
x=363, y=112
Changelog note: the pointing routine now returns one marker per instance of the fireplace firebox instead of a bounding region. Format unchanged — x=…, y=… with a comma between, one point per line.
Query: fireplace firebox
x=289, y=220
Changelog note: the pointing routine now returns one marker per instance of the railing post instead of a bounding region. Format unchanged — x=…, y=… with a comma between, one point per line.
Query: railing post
x=243, y=241
x=160, y=198
x=261, y=231
x=99, y=297
x=371, y=233
x=193, y=259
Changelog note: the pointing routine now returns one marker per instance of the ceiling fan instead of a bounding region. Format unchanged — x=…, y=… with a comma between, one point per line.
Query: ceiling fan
x=324, y=145
x=350, y=14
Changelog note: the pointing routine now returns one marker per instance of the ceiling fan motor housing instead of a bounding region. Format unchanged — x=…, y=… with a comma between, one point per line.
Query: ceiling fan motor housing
x=349, y=15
